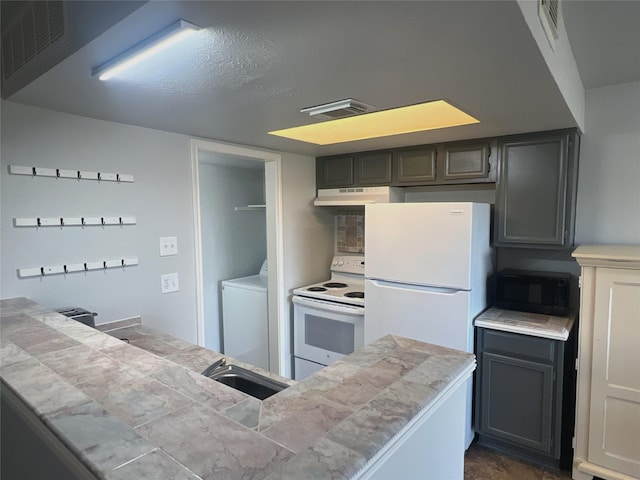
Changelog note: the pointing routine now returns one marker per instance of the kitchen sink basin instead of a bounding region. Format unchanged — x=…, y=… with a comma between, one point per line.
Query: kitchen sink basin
x=246, y=381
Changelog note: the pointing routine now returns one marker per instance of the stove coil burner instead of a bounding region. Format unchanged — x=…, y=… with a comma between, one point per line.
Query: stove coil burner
x=317, y=289
x=354, y=295
x=334, y=285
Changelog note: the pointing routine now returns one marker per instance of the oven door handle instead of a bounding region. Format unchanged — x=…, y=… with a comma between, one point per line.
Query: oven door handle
x=329, y=306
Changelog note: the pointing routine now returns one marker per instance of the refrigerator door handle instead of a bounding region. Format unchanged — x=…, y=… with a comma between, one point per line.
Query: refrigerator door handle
x=420, y=288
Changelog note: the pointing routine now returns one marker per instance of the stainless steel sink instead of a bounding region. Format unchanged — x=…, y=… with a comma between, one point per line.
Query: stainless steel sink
x=244, y=380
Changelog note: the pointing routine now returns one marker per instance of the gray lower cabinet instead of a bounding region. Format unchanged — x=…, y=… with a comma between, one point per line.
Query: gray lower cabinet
x=536, y=190
x=523, y=415
x=519, y=392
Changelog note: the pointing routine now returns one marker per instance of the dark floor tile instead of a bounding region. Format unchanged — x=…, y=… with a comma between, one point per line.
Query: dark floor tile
x=481, y=463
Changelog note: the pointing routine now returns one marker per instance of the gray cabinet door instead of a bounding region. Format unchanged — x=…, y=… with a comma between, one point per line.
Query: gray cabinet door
x=535, y=199
x=415, y=166
x=466, y=162
x=517, y=401
x=332, y=172
x=374, y=169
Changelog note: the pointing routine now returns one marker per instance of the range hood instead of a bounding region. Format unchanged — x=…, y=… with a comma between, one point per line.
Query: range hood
x=353, y=196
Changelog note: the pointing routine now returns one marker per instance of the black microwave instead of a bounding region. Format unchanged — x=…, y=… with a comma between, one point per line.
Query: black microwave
x=530, y=291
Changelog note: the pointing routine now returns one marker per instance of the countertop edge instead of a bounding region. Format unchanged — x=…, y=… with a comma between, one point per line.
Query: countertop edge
x=420, y=417
x=523, y=330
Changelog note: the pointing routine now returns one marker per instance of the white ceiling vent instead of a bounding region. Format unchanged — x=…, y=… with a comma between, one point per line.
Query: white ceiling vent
x=339, y=109
x=549, y=12
x=31, y=34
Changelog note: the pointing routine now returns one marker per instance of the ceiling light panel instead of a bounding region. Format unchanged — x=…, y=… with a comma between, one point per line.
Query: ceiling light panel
x=158, y=42
x=413, y=118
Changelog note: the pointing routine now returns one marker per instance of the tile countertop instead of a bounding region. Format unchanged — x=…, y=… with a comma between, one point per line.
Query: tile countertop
x=129, y=413
x=534, y=324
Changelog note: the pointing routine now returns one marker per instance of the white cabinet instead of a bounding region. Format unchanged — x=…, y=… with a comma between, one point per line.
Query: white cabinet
x=608, y=390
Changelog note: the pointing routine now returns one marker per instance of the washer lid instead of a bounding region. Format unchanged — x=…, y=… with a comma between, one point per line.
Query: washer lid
x=264, y=270
x=253, y=282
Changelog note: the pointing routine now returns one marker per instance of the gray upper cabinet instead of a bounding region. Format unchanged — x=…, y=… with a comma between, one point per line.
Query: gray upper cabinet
x=467, y=162
x=535, y=177
x=334, y=172
x=414, y=166
x=373, y=168
x=536, y=190
x=451, y=163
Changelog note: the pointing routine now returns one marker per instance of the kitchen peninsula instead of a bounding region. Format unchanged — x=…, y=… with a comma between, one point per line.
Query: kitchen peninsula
x=105, y=408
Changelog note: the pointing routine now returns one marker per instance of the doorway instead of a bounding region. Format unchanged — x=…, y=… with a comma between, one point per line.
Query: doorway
x=262, y=169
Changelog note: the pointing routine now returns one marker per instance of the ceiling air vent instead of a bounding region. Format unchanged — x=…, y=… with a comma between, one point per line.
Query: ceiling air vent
x=549, y=13
x=339, y=109
x=31, y=34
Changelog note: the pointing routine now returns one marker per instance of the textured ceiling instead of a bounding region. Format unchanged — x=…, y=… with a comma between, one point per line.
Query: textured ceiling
x=256, y=64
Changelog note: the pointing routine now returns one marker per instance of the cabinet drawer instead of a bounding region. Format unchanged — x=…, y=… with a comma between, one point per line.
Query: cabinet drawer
x=519, y=345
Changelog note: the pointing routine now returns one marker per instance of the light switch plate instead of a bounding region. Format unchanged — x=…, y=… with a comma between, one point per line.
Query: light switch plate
x=169, y=283
x=168, y=246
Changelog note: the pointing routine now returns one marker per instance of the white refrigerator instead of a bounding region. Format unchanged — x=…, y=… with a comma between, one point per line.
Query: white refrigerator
x=425, y=273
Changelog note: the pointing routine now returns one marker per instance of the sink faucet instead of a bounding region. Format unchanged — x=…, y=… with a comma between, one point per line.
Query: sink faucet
x=214, y=366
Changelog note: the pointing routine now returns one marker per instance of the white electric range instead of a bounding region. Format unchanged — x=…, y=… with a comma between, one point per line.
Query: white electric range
x=328, y=317
x=346, y=284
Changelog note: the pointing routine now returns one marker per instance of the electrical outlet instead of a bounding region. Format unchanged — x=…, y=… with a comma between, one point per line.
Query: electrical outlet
x=169, y=283
x=168, y=246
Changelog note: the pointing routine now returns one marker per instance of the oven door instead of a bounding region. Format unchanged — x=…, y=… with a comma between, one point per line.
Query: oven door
x=326, y=331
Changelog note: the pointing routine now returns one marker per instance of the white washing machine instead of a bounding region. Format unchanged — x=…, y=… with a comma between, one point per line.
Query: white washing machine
x=245, y=327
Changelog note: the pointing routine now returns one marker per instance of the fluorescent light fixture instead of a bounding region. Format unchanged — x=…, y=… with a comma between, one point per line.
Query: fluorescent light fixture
x=413, y=118
x=145, y=49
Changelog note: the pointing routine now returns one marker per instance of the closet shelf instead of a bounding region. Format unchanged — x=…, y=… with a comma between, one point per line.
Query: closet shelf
x=251, y=208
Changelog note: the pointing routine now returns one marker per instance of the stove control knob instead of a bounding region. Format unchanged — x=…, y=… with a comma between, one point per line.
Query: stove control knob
x=341, y=262
x=335, y=263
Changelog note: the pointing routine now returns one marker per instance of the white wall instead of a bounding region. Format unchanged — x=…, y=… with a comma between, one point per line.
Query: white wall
x=608, y=209
x=308, y=232
x=234, y=243
x=160, y=199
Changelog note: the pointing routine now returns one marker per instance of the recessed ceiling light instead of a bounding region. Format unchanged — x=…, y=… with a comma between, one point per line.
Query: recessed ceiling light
x=396, y=121
x=156, y=43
